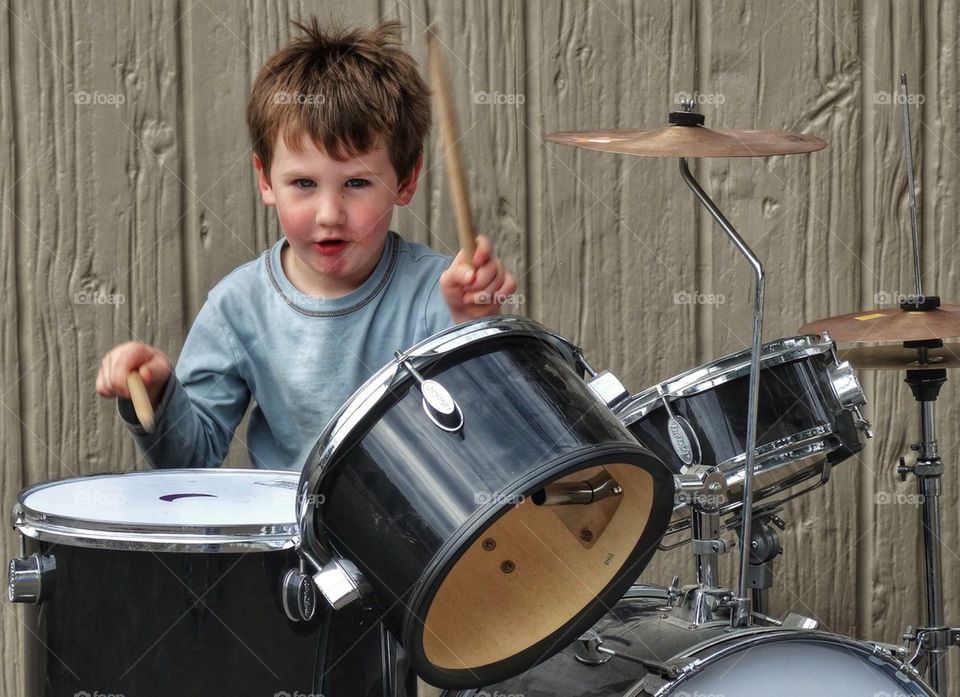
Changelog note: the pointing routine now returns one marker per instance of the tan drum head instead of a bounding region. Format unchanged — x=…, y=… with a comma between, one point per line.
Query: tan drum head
x=534, y=570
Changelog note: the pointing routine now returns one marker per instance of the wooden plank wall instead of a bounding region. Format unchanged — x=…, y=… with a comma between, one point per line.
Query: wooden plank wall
x=144, y=188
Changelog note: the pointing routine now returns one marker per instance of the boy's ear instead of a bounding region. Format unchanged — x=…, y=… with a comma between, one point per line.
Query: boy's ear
x=408, y=187
x=263, y=182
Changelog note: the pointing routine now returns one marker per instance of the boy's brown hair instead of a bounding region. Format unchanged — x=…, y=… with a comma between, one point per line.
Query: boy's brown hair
x=348, y=90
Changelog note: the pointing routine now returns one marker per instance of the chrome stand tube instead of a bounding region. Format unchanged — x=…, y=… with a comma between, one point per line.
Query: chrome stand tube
x=706, y=529
x=741, y=614
x=928, y=469
x=928, y=485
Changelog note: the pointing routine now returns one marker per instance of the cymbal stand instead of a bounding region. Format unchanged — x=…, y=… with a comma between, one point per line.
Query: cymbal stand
x=741, y=610
x=928, y=469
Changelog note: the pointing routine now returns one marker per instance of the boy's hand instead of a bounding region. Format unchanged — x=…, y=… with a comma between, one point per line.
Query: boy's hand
x=152, y=364
x=479, y=291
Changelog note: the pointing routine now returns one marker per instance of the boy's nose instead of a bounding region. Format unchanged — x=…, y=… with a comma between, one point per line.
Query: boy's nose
x=330, y=210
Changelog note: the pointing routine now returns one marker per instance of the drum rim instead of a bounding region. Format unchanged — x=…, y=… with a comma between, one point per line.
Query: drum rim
x=366, y=398
x=691, y=661
x=81, y=532
x=721, y=371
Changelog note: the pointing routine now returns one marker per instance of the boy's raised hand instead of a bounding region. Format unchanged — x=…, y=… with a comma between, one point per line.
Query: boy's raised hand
x=479, y=291
x=152, y=364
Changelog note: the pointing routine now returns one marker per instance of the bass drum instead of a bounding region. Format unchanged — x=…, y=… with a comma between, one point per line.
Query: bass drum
x=668, y=657
x=162, y=583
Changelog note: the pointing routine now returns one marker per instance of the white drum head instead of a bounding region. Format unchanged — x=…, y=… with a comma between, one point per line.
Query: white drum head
x=156, y=509
x=799, y=668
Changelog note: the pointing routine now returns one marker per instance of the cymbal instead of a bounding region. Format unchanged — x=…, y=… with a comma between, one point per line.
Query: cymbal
x=890, y=324
x=892, y=357
x=692, y=141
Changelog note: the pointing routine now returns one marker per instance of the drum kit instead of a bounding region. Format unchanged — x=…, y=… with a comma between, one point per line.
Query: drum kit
x=479, y=513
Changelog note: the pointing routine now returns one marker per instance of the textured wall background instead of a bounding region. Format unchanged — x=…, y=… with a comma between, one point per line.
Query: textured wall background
x=127, y=173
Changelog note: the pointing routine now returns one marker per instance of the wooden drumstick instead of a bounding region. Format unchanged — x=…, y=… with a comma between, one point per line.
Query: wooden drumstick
x=451, y=144
x=141, y=401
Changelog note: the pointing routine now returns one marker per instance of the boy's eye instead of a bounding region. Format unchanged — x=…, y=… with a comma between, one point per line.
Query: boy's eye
x=357, y=183
x=304, y=183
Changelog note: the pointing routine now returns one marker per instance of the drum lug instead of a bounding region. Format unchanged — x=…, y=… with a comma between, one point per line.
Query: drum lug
x=341, y=583
x=608, y=388
x=31, y=579
x=438, y=404
x=846, y=386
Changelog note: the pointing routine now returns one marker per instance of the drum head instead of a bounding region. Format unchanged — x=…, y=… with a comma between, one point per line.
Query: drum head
x=165, y=510
x=531, y=570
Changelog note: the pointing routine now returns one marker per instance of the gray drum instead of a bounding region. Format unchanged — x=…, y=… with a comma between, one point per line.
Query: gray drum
x=659, y=655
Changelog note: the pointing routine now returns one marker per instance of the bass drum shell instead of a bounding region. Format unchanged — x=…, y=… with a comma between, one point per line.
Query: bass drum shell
x=165, y=583
x=732, y=663
x=477, y=580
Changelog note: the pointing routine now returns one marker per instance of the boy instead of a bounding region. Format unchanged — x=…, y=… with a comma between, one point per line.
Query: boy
x=338, y=120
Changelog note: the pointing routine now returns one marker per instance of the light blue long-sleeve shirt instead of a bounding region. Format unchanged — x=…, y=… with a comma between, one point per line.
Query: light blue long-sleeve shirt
x=297, y=357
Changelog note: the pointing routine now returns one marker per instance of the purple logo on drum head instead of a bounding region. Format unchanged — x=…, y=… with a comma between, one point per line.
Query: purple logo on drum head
x=173, y=497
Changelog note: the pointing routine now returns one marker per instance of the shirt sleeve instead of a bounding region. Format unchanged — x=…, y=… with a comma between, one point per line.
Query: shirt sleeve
x=436, y=314
x=203, y=402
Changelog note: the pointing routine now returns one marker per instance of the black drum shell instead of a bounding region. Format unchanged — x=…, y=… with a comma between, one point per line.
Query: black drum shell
x=793, y=397
x=528, y=420
x=641, y=627
x=129, y=623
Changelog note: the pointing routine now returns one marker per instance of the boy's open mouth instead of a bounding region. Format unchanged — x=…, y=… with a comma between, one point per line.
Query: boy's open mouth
x=329, y=246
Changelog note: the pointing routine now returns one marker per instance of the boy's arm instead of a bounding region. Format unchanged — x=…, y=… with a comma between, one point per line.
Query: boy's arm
x=202, y=404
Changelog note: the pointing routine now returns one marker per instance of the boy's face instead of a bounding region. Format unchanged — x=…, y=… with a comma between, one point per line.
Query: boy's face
x=334, y=214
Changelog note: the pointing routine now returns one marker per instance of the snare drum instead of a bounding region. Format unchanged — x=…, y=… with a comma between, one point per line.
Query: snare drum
x=807, y=414
x=161, y=583
x=485, y=498
x=664, y=656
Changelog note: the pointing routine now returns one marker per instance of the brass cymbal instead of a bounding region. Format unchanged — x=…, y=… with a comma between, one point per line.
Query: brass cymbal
x=892, y=357
x=890, y=324
x=692, y=141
